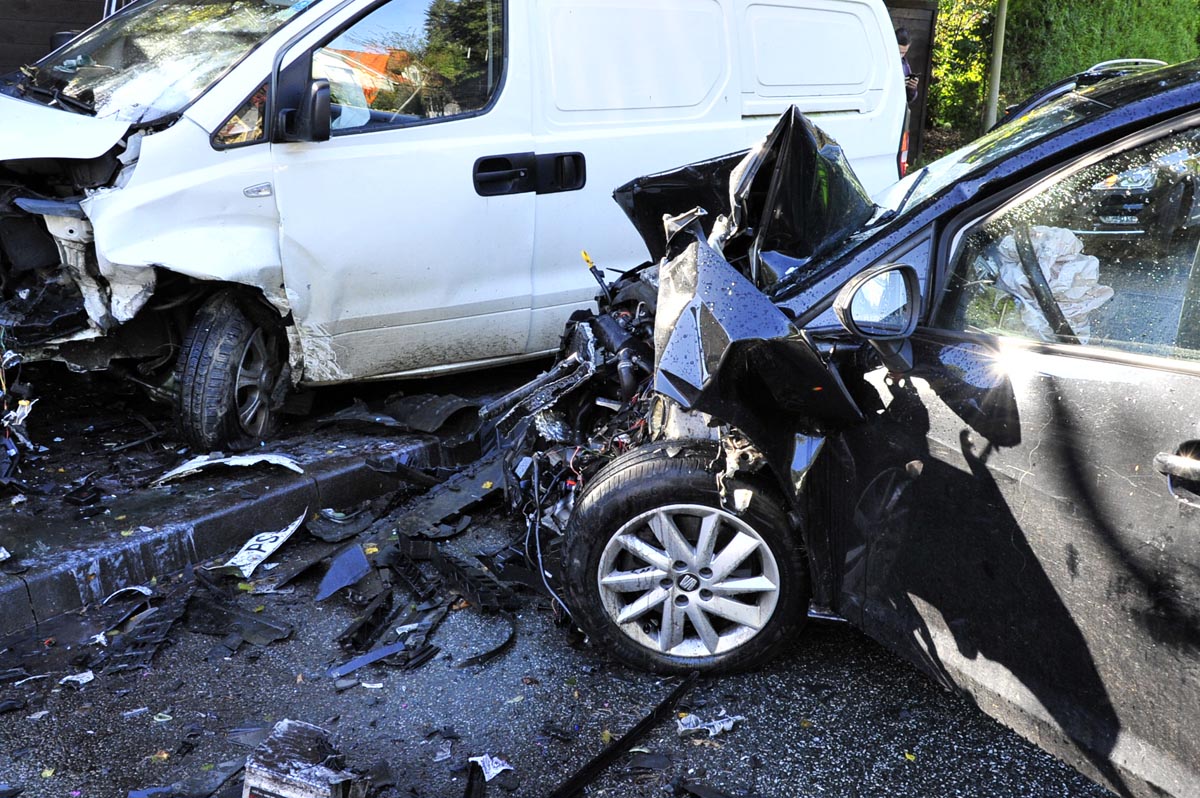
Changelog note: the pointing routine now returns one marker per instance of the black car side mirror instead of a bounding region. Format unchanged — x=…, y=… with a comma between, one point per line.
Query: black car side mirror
x=882, y=305
x=310, y=122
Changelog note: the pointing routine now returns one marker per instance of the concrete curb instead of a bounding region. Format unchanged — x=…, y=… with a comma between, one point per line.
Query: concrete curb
x=202, y=523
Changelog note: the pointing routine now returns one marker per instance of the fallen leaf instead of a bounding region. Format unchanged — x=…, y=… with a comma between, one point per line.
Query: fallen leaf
x=371, y=549
x=48, y=772
x=126, y=533
x=806, y=724
x=160, y=756
x=910, y=757
x=606, y=737
x=488, y=485
x=530, y=680
x=207, y=767
x=515, y=699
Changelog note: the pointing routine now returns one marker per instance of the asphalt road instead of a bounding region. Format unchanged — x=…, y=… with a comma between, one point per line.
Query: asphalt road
x=836, y=715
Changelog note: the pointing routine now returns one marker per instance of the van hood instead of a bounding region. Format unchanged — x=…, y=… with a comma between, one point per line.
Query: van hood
x=33, y=130
x=787, y=201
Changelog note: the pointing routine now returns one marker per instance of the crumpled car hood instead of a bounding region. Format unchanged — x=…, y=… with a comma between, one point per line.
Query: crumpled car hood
x=791, y=199
x=32, y=130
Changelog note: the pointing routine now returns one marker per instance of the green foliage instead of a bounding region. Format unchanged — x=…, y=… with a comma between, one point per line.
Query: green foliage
x=961, y=54
x=1047, y=40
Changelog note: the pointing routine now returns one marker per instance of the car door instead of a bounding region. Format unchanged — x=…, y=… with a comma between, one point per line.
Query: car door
x=407, y=237
x=1022, y=514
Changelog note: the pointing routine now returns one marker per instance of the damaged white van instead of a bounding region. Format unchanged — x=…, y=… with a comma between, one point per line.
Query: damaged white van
x=228, y=198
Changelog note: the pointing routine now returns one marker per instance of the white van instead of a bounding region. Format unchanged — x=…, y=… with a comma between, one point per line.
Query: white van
x=244, y=195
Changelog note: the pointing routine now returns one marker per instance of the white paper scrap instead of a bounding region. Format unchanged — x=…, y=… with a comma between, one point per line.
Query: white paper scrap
x=492, y=766
x=693, y=723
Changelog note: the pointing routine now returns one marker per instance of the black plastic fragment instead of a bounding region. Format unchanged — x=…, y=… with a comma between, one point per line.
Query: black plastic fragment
x=10, y=790
x=476, y=785
x=649, y=761
x=686, y=787
x=408, y=571
x=136, y=648
x=453, y=497
x=83, y=495
x=592, y=770
x=368, y=626
x=333, y=527
x=489, y=655
x=211, y=614
x=348, y=567
x=475, y=584
x=11, y=705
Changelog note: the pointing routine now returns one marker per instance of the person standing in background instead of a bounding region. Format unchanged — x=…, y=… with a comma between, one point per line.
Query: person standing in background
x=911, y=81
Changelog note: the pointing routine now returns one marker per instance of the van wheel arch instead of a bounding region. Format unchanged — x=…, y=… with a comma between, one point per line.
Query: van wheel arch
x=232, y=373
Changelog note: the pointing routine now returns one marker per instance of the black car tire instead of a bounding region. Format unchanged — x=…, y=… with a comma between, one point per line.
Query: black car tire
x=228, y=376
x=673, y=480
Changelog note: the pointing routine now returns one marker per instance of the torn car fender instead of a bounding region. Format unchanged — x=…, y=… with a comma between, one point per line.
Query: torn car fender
x=214, y=221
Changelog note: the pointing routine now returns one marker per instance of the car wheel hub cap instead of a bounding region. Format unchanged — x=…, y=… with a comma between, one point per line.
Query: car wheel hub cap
x=252, y=391
x=688, y=580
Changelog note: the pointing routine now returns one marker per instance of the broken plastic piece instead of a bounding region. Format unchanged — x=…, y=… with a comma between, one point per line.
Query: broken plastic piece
x=492, y=766
x=366, y=659
x=298, y=761
x=333, y=526
x=197, y=464
x=257, y=549
x=592, y=770
x=348, y=567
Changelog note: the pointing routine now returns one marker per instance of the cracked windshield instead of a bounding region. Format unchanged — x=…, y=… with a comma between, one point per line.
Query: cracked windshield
x=156, y=58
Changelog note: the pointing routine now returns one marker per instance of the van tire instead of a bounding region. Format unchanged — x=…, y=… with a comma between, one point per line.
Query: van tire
x=229, y=375
x=675, y=479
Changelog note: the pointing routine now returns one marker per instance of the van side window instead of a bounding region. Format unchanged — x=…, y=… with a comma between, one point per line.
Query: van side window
x=246, y=124
x=413, y=61
x=1107, y=256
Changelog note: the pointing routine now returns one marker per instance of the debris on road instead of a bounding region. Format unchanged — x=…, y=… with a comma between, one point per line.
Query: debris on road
x=258, y=548
x=689, y=724
x=592, y=770
x=491, y=766
x=298, y=760
x=205, y=461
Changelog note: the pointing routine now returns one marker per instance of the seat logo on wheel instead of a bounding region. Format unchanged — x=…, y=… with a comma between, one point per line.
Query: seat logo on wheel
x=688, y=582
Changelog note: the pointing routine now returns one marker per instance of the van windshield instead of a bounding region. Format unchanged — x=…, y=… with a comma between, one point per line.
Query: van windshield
x=153, y=58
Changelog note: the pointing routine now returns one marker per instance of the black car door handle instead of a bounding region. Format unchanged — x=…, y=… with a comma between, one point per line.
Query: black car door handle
x=1178, y=466
x=500, y=175
x=505, y=174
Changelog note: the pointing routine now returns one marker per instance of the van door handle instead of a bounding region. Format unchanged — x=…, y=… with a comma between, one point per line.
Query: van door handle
x=513, y=173
x=561, y=171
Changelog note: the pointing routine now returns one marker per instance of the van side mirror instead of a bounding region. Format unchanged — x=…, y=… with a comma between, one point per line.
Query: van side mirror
x=310, y=122
x=882, y=305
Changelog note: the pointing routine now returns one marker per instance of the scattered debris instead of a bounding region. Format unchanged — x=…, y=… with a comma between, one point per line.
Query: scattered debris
x=592, y=770
x=78, y=679
x=491, y=766
x=297, y=760
x=137, y=589
x=689, y=724
x=334, y=526
x=443, y=752
x=257, y=549
x=348, y=567
x=204, y=461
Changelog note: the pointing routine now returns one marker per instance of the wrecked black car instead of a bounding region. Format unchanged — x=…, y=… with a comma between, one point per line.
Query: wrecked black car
x=944, y=419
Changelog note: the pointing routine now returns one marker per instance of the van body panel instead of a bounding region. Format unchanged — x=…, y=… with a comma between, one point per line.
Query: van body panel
x=382, y=246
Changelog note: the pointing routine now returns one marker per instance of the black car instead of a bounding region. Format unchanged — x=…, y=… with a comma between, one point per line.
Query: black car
x=947, y=419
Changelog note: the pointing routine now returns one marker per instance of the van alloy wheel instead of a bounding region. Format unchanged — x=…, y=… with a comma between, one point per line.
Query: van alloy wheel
x=255, y=382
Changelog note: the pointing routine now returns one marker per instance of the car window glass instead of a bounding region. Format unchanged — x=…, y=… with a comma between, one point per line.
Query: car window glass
x=1106, y=256
x=245, y=126
x=412, y=61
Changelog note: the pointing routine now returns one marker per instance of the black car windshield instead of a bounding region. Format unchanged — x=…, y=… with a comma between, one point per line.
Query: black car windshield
x=1001, y=142
x=154, y=58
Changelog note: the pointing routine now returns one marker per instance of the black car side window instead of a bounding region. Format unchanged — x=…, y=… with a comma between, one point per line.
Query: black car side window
x=1106, y=256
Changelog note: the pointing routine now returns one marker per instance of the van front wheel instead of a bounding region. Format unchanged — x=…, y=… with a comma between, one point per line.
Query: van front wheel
x=228, y=376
